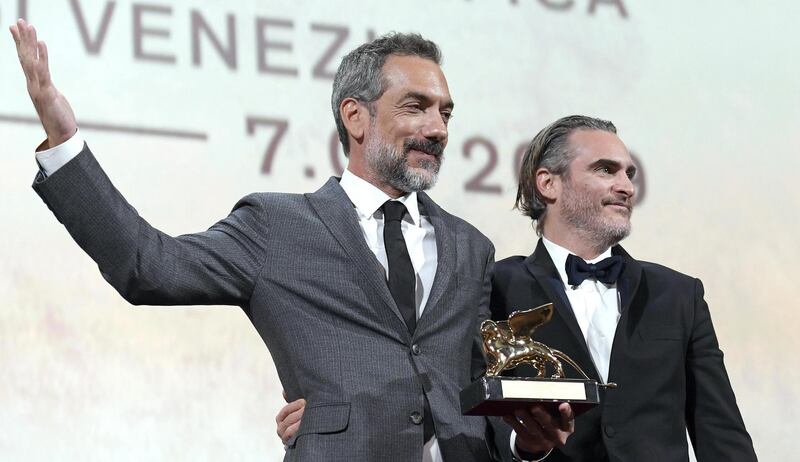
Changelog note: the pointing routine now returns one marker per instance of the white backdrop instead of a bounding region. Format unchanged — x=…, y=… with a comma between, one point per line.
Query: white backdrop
x=181, y=99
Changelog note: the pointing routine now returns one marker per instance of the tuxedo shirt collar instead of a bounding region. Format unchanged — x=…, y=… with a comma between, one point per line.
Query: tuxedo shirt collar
x=559, y=256
x=367, y=198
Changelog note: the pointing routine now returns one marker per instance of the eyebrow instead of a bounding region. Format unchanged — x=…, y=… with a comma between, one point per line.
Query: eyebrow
x=426, y=99
x=614, y=165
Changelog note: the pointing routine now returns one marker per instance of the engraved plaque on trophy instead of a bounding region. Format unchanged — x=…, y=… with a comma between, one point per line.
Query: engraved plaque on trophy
x=508, y=344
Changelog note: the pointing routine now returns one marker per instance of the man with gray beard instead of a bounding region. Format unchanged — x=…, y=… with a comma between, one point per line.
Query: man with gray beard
x=642, y=326
x=367, y=294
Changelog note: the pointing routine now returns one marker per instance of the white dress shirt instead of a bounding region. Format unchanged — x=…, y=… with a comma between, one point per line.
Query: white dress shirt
x=417, y=231
x=596, y=307
x=54, y=158
x=367, y=199
x=420, y=240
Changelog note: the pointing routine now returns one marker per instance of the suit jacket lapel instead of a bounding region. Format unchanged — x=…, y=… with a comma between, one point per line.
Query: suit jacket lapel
x=630, y=313
x=337, y=212
x=445, y=251
x=628, y=282
x=541, y=267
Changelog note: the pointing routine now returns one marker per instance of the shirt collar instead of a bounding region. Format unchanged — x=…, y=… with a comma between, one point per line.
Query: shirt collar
x=367, y=198
x=559, y=256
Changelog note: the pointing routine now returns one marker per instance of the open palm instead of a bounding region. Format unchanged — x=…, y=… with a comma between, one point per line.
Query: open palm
x=54, y=110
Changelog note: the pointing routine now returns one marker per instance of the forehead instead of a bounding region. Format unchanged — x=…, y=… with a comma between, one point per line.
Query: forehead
x=404, y=74
x=592, y=145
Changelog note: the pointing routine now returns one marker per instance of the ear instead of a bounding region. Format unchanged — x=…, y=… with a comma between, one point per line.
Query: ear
x=355, y=117
x=548, y=184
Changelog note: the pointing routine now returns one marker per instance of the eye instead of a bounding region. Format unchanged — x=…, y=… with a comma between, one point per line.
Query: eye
x=447, y=116
x=602, y=169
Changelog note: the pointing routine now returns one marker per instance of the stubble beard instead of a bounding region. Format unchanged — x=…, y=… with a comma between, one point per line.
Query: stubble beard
x=587, y=217
x=391, y=167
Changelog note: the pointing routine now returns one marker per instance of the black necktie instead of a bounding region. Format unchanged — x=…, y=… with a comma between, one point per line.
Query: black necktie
x=402, y=280
x=606, y=271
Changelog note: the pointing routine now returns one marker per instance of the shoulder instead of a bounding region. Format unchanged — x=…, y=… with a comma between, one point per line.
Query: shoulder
x=655, y=272
x=662, y=279
x=467, y=233
x=658, y=271
x=469, y=229
x=270, y=200
x=260, y=210
x=510, y=271
x=510, y=265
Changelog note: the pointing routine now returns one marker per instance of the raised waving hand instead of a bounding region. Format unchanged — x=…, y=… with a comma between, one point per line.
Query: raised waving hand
x=53, y=109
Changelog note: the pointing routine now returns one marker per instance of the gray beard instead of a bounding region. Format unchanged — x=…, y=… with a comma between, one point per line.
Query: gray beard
x=585, y=216
x=390, y=165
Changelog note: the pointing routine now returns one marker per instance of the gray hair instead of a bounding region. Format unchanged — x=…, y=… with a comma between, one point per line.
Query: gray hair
x=550, y=150
x=360, y=74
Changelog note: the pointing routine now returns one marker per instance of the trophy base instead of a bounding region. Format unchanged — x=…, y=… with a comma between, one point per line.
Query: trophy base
x=499, y=396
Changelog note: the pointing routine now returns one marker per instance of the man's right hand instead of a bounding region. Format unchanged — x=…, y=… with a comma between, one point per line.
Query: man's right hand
x=538, y=432
x=54, y=110
x=288, y=419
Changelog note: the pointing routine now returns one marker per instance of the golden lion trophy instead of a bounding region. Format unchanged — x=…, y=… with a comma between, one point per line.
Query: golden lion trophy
x=508, y=344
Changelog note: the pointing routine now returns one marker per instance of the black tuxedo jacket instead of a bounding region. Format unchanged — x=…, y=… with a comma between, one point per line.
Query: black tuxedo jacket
x=665, y=360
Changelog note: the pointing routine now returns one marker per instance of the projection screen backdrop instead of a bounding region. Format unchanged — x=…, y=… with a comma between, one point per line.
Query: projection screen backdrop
x=190, y=105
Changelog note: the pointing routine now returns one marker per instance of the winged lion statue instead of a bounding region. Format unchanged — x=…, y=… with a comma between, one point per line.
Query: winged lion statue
x=508, y=344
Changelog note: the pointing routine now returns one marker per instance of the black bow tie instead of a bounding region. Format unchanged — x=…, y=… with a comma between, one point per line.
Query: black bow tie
x=606, y=271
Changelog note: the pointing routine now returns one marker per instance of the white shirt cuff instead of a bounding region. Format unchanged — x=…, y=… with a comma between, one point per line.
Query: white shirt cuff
x=513, y=443
x=50, y=160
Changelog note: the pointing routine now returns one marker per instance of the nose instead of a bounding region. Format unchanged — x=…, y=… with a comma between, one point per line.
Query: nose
x=624, y=185
x=435, y=127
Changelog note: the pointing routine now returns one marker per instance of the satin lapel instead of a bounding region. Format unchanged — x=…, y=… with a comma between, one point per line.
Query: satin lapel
x=337, y=212
x=541, y=267
x=630, y=314
x=445, y=251
x=629, y=280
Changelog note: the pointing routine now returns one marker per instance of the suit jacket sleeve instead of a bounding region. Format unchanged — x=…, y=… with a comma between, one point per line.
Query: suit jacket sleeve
x=715, y=425
x=478, y=359
x=498, y=433
x=143, y=264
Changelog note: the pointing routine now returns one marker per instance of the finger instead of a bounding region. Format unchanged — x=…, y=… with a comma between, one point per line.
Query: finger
x=530, y=425
x=567, y=420
x=29, y=43
x=19, y=27
x=24, y=30
x=280, y=419
x=547, y=423
x=33, y=40
x=528, y=438
x=290, y=432
x=25, y=51
x=294, y=417
x=282, y=413
x=522, y=431
x=43, y=66
x=285, y=424
x=15, y=34
x=290, y=408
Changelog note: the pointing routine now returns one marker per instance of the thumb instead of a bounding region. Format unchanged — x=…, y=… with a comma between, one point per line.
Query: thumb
x=567, y=420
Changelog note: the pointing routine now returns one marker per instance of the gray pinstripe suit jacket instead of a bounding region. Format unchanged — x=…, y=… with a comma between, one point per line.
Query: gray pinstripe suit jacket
x=299, y=267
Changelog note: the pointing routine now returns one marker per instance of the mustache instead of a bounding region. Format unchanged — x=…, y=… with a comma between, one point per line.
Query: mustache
x=432, y=147
x=626, y=202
